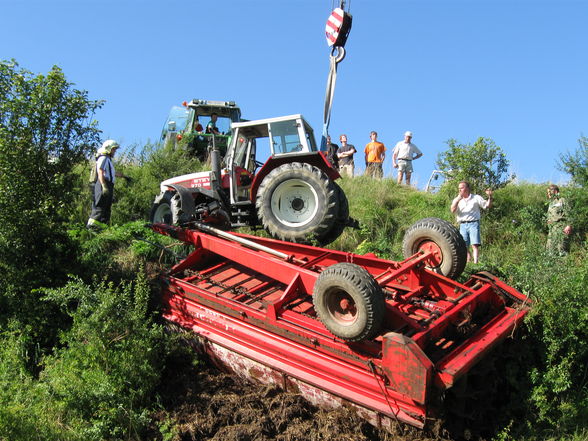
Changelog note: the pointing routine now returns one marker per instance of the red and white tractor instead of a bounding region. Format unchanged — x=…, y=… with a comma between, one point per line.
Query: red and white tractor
x=293, y=195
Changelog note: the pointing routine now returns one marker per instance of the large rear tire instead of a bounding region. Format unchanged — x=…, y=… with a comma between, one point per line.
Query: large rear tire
x=297, y=202
x=349, y=302
x=341, y=219
x=443, y=240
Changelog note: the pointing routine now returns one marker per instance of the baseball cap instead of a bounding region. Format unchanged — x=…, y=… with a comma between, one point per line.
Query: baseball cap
x=408, y=134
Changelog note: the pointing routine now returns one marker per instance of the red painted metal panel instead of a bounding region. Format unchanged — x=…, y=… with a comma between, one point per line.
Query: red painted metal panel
x=326, y=372
x=259, y=306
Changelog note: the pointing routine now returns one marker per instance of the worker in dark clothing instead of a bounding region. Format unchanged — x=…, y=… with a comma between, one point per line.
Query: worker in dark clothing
x=211, y=127
x=332, y=153
x=104, y=187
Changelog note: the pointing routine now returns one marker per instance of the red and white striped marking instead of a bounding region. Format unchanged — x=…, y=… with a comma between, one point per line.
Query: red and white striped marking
x=334, y=26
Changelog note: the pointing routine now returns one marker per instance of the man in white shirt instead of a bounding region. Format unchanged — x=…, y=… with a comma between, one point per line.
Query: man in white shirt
x=467, y=207
x=404, y=153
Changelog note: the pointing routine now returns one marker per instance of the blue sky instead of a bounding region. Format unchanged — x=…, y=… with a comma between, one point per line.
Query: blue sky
x=515, y=71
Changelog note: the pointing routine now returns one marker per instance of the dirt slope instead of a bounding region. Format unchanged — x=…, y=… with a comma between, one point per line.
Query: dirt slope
x=207, y=404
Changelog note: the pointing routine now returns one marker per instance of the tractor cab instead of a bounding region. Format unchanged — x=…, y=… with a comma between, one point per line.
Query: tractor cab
x=257, y=147
x=198, y=121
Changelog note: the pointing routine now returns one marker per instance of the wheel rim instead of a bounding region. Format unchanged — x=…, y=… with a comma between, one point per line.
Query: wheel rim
x=162, y=215
x=294, y=203
x=342, y=307
x=436, y=254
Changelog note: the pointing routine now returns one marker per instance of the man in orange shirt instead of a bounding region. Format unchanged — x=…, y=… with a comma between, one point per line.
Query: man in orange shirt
x=375, y=152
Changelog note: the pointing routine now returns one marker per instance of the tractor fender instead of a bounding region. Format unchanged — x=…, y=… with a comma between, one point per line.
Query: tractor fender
x=317, y=159
x=186, y=198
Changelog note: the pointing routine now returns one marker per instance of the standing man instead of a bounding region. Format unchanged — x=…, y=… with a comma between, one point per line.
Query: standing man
x=558, y=224
x=104, y=187
x=332, y=153
x=375, y=152
x=467, y=207
x=404, y=153
x=345, y=155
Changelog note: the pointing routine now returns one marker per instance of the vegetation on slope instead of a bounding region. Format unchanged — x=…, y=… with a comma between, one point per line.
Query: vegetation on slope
x=83, y=354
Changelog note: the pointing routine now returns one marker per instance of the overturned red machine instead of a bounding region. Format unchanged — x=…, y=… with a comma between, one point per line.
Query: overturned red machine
x=386, y=338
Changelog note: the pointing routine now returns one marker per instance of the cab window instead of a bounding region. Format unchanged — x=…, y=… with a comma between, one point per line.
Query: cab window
x=284, y=137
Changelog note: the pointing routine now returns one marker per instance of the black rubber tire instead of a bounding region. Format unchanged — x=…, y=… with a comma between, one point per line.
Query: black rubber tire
x=297, y=202
x=349, y=302
x=161, y=212
x=340, y=220
x=447, y=238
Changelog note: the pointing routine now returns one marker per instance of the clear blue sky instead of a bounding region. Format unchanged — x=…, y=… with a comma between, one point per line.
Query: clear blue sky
x=515, y=71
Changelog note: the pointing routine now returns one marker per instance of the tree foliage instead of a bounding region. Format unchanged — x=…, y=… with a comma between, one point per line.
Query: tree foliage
x=576, y=163
x=45, y=130
x=483, y=164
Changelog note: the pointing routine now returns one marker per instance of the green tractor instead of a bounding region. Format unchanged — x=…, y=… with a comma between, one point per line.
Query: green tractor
x=196, y=122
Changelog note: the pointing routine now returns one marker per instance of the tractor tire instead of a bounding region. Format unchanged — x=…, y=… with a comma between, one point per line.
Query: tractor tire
x=297, y=202
x=349, y=302
x=340, y=220
x=161, y=211
x=443, y=239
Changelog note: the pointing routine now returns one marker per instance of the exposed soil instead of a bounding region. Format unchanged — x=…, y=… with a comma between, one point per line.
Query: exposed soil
x=206, y=404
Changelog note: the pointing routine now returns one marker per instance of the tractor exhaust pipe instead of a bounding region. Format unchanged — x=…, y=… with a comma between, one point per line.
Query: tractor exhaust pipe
x=215, y=163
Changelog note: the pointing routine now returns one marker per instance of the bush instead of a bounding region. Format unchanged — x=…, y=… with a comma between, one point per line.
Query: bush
x=101, y=381
x=483, y=164
x=147, y=168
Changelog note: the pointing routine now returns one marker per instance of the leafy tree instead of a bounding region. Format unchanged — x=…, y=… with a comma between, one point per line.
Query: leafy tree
x=576, y=163
x=483, y=164
x=45, y=129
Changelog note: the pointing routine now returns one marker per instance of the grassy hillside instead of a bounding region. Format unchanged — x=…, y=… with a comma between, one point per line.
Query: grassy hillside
x=71, y=367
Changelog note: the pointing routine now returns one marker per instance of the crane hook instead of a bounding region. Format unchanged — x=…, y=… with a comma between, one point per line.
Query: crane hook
x=338, y=53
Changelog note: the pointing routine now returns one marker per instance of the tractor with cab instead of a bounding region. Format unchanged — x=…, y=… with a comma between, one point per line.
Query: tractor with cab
x=193, y=124
x=293, y=194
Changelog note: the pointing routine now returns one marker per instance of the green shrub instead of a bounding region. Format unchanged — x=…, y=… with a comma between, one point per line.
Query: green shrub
x=101, y=382
x=120, y=251
x=147, y=167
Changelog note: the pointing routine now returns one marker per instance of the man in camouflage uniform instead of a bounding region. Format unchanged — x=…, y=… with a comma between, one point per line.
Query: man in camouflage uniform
x=558, y=238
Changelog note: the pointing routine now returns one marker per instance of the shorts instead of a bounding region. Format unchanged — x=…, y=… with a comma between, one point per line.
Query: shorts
x=374, y=170
x=405, y=165
x=470, y=231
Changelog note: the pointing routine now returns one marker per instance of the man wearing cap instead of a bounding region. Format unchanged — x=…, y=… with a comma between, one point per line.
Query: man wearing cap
x=104, y=187
x=404, y=153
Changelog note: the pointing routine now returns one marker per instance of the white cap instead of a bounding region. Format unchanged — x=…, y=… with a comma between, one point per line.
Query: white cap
x=408, y=134
x=107, y=147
